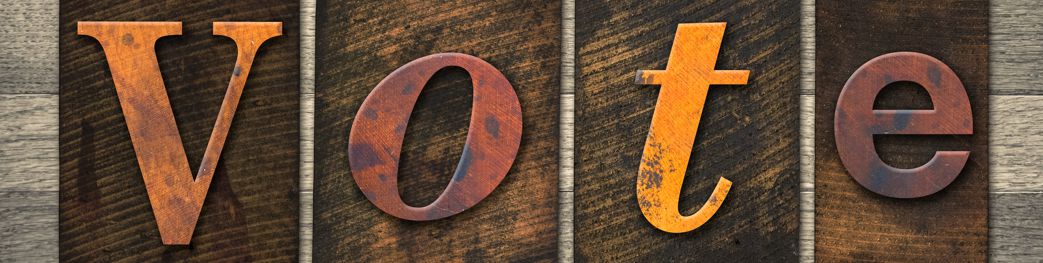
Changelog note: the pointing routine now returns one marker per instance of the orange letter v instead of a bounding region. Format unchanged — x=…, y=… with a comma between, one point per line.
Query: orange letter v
x=175, y=195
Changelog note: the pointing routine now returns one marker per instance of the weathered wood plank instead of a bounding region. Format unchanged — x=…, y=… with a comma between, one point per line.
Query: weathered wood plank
x=1016, y=143
x=29, y=47
x=853, y=223
x=566, y=245
x=1016, y=227
x=567, y=148
x=748, y=133
x=307, y=225
x=252, y=206
x=568, y=140
x=807, y=47
x=1016, y=47
x=568, y=47
x=307, y=127
x=518, y=221
x=807, y=98
x=807, y=131
x=807, y=227
x=807, y=142
x=307, y=47
x=28, y=226
x=29, y=146
x=307, y=172
x=566, y=210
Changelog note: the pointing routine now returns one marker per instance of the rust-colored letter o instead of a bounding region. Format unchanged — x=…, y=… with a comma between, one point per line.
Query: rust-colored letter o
x=856, y=122
x=493, y=137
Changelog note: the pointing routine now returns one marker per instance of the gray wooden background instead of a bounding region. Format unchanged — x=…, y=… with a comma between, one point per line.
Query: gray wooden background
x=29, y=130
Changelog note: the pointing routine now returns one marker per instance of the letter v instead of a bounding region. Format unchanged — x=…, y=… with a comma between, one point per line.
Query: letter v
x=176, y=196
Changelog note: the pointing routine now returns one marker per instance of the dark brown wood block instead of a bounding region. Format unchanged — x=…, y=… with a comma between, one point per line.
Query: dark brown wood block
x=358, y=44
x=748, y=133
x=854, y=223
x=251, y=208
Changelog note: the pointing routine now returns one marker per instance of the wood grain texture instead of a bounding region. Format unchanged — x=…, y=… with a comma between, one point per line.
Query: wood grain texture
x=807, y=48
x=28, y=47
x=567, y=144
x=28, y=178
x=1016, y=40
x=1016, y=144
x=566, y=209
x=307, y=126
x=807, y=143
x=307, y=173
x=29, y=146
x=28, y=220
x=306, y=226
x=807, y=98
x=1016, y=227
x=251, y=210
x=749, y=133
x=358, y=43
x=852, y=223
x=807, y=227
x=807, y=131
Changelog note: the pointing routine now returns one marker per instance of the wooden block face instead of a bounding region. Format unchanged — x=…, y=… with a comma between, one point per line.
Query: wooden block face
x=250, y=209
x=359, y=43
x=855, y=223
x=748, y=133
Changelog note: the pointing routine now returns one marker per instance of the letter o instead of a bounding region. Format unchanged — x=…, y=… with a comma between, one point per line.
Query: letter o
x=493, y=137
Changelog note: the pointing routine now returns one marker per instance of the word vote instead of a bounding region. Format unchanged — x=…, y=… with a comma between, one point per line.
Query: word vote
x=496, y=125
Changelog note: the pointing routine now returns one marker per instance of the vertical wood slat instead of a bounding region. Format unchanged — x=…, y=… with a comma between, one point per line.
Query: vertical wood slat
x=307, y=127
x=567, y=152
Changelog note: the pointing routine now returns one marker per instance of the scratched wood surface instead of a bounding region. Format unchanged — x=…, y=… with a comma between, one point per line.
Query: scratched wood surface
x=853, y=223
x=358, y=43
x=29, y=128
x=749, y=133
x=29, y=46
x=307, y=124
x=251, y=209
